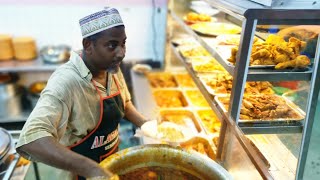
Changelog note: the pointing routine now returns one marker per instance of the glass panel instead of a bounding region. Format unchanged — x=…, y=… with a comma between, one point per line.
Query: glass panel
x=280, y=151
x=236, y=161
x=312, y=169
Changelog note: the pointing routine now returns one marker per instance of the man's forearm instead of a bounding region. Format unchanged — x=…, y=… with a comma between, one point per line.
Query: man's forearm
x=49, y=151
x=133, y=115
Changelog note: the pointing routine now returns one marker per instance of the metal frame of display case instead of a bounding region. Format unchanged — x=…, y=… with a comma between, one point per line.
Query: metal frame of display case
x=241, y=73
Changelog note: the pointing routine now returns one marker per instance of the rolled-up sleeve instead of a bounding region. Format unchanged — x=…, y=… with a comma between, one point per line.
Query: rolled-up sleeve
x=49, y=118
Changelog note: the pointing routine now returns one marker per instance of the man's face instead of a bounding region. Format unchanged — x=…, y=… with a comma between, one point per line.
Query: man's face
x=109, y=49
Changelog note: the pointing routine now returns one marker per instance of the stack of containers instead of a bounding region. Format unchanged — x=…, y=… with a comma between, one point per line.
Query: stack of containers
x=24, y=48
x=18, y=48
x=6, y=49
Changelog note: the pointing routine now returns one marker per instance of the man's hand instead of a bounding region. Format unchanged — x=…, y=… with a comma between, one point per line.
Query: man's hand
x=133, y=115
x=49, y=151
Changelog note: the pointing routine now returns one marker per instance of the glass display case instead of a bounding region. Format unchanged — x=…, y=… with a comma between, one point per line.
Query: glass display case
x=256, y=66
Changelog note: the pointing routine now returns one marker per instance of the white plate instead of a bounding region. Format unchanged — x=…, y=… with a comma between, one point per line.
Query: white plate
x=150, y=129
x=215, y=29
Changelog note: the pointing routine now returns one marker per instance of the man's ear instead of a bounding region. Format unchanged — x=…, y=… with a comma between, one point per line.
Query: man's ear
x=86, y=43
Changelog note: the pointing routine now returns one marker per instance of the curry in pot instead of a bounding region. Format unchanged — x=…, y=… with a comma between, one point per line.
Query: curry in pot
x=157, y=173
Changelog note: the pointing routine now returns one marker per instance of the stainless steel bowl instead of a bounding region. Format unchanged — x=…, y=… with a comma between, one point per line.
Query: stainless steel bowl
x=164, y=156
x=55, y=54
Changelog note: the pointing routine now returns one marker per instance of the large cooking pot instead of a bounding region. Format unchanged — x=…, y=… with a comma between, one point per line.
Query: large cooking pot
x=166, y=156
x=10, y=96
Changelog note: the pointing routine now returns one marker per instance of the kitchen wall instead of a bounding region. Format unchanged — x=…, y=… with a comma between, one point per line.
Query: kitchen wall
x=56, y=22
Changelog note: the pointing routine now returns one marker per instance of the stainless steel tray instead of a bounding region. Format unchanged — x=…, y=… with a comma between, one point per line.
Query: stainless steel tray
x=300, y=113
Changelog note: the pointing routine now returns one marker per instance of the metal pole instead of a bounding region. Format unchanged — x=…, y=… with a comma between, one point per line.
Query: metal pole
x=310, y=113
x=36, y=170
x=241, y=68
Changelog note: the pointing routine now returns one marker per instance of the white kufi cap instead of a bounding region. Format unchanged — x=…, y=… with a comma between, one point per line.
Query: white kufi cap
x=100, y=21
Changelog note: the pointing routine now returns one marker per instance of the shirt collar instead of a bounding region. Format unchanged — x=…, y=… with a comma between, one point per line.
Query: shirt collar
x=81, y=67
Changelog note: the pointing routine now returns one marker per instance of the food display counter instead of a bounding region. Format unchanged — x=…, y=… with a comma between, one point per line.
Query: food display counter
x=234, y=66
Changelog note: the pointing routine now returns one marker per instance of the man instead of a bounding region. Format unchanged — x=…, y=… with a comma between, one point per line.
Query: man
x=74, y=125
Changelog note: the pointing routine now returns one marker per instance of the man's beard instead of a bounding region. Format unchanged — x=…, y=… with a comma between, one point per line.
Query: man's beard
x=113, y=70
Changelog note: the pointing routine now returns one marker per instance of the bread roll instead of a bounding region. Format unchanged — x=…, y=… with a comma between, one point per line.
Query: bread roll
x=24, y=48
x=6, y=49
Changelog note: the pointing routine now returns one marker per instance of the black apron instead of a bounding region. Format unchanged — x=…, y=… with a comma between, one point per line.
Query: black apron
x=103, y=140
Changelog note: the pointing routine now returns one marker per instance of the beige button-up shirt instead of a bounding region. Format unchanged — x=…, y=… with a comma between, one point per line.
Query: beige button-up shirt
x=69, y=106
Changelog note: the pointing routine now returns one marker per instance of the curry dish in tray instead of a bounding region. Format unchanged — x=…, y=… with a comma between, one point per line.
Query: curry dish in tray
x=210, y=121
x=196, y=98
x=184, y=80
x=169, y=98
x=161, y=80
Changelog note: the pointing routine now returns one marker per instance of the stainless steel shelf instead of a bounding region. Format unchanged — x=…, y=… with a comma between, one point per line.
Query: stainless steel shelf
x=36, y=65
x=247, y=128
x=283, y=128
x=211, y=50
x=221, y=115
x=253, y=74
x=279, y=75
x=293, y=10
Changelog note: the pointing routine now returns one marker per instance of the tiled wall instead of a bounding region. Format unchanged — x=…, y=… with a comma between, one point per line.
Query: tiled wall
x=56, y=22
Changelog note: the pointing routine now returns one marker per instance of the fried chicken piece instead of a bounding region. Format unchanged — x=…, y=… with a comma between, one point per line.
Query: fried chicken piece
x=259, y=106
x=279, y=58
x=296, y=44
x=247, y=104
x=275, y=39
x=262, y=53
x=300, y=61
x=268, y=107
x=268, y=61
x=251, y=90
x=265, y=114
x=234, y=51
x=256, y=62
x=245, y=117
x=267, y=91
x=272, y=114
x=232, y=59
x=233, y=56
x=264, y=85
x=283, y=48
x=244, y=111
x=282, y=110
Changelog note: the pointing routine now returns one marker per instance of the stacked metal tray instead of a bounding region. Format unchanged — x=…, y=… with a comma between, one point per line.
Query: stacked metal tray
x=179, y=101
